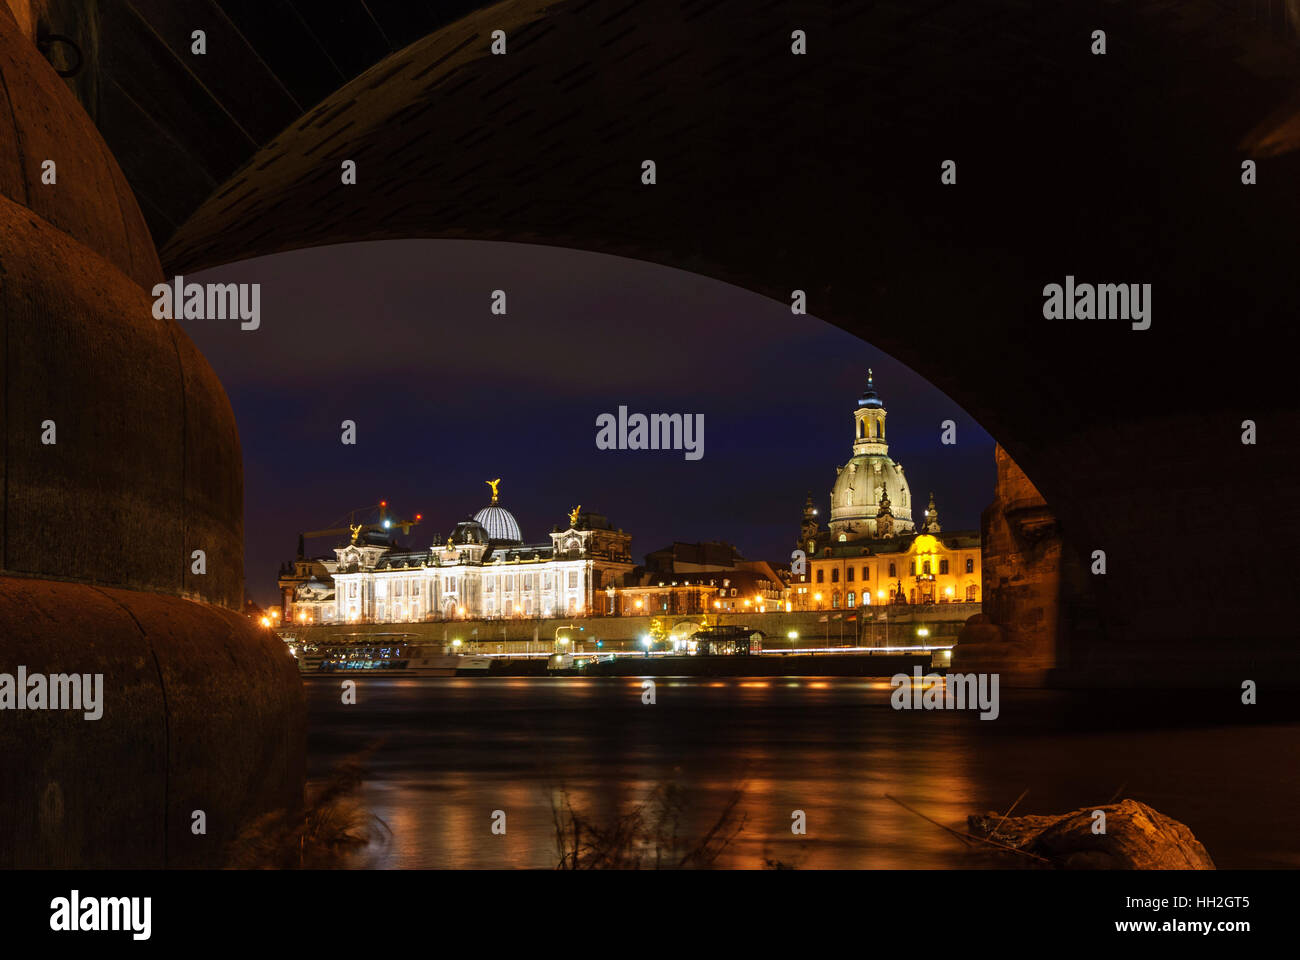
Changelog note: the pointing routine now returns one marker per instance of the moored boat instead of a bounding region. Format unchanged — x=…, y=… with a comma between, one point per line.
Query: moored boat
x=383, y=654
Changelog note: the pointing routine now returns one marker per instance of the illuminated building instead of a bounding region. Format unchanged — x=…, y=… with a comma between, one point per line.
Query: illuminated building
x=733, y=590
x=872, y=553
x=484, y=569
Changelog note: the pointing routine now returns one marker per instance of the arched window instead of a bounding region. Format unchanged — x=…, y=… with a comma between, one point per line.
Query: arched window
x=972, y=592
x=893, y=571
x=862, y=426
x=925, y=568
x=852, y=598
x=835, y=600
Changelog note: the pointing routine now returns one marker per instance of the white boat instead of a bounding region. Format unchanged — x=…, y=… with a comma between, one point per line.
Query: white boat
x=559, y=661
x=453, y=665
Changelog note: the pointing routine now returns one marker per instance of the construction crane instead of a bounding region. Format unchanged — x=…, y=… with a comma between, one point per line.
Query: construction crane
x=355, y=530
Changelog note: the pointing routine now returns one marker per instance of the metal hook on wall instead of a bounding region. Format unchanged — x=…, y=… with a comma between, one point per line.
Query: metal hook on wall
x=46, y=43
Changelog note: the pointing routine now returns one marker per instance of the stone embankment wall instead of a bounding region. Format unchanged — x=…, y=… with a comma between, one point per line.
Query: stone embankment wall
x=899, y=628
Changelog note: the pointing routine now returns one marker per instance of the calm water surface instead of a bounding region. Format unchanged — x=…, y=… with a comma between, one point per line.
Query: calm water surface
x=448, y=752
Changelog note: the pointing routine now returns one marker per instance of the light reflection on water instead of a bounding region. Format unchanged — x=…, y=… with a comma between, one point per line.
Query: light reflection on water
x=459, y=748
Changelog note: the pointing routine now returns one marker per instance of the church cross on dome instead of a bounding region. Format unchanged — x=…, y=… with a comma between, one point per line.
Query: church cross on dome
x=870, y=398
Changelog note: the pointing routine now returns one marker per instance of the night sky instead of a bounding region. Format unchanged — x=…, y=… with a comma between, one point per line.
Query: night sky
x=398, y=336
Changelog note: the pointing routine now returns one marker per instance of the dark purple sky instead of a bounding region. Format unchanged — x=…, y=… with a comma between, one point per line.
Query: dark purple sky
x=398, y=336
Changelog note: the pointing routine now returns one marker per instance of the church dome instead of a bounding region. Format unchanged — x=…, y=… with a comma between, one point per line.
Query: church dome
x=855, y=498
x=500, y=524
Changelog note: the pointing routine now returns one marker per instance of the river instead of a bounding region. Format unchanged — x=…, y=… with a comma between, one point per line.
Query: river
x=445, y=754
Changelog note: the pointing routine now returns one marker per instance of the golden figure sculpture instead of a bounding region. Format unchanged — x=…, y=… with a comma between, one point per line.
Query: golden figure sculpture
x=573, y=515
x=493, y=485
x=356, y=531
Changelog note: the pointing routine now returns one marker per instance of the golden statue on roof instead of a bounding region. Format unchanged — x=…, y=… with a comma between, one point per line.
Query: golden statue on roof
x=493, y=484
x=356, y=531
x=573, y=515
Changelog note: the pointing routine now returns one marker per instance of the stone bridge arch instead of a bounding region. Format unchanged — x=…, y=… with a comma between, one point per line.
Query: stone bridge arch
x=821, y=172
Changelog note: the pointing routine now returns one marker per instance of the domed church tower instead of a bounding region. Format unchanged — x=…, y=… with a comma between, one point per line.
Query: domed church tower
x=931, y=522
x=868, y=477
x=808, y=531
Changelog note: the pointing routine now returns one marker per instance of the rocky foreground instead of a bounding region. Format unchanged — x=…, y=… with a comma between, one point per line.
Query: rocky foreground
x=1136, y=837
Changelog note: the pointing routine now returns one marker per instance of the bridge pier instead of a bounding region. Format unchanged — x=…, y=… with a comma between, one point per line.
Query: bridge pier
x=120, y=459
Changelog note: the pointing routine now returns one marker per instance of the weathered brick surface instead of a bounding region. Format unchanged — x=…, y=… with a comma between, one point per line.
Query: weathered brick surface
x=41, y=120
x=147, y=467
x=1019, y=632
x=201, y=711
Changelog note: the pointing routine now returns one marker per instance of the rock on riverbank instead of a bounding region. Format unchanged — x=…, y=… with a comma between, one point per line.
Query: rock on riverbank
x=1137, y=837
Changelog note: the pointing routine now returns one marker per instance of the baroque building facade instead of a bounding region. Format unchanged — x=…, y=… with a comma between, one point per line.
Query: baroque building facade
x=483, y=570
x=871, y=551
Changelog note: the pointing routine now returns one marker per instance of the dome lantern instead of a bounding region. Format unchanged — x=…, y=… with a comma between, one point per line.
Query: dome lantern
x=869, y=420
x=869, y=396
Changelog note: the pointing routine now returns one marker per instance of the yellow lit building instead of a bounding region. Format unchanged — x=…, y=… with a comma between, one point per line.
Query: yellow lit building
x=925, y=568
x=872, y=553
